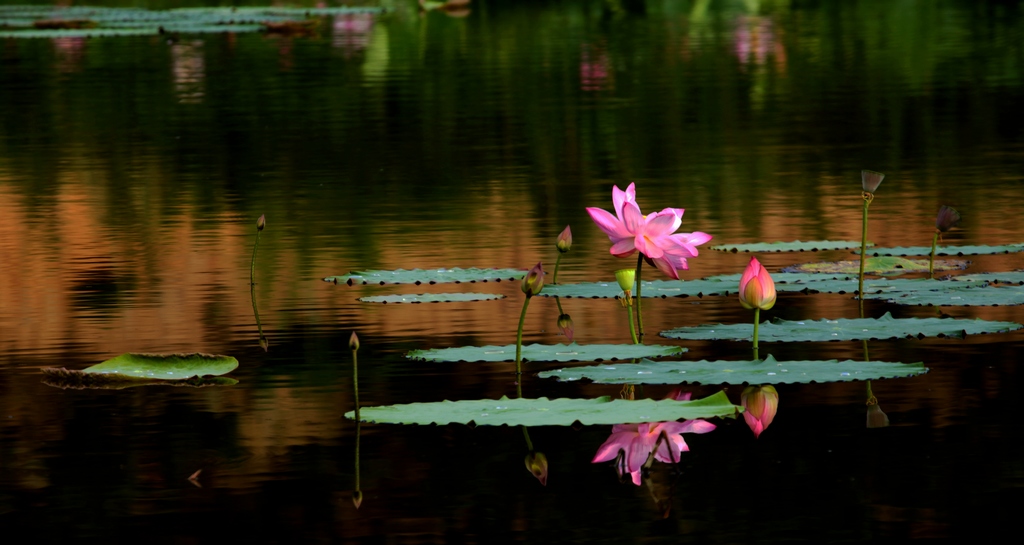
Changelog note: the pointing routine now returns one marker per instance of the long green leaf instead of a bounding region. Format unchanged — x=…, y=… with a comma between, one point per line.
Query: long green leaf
x=547, y=352
x=768, y=371
x=427, y=276
x=795, y=246
x=548, y=412
x=431, y=298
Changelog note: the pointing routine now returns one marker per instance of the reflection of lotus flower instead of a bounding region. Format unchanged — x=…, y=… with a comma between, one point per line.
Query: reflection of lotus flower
x=651, y=235
x=947, y=219
x=533, y=282
x=537, y=464
x=757, y=289
x=870, y=180
x=760, y=403
x=637, y=442
x=876, y=418
x=564, y=242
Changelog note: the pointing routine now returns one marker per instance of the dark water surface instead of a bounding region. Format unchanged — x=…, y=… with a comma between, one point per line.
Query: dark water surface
x=132, y=171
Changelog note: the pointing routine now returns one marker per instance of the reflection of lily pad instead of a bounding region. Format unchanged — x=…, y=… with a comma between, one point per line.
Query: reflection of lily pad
x=133, y=369
x=879, y=265
x=548, y=412
x=945, y=250
x=959, y=294
x=431, y=298
x=547, y=352
x=768, y=371
x=77, y=380
x=843, y=329
x=795, y=246
x=427, y=276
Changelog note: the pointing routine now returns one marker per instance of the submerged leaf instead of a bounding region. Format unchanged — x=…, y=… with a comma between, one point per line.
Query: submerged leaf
x=427, y=276
x=547, y=352
x=878, y=265
x=946, y=250
x=768, y=371
x=548, y=412
x=431, y=298
x=795, y=246
x=165, y=366
x=843, y=329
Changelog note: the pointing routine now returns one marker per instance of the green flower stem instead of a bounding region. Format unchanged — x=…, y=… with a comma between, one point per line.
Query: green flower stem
x=252, y=265
x=558, y=260
x=519, y=339
x=559, y=303
x=868, y=197
x=629, y=312
x=757, y=323
x=931, y=260
x=872, y=400
x=357, y=495
x=526, y=435
x=639, y=314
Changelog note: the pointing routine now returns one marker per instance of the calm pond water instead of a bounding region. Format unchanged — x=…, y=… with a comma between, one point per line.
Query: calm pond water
x=132, y=171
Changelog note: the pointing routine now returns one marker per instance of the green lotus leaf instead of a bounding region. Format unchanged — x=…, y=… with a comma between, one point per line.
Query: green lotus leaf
x=1015, y=277
x=787, y=277
x=547, y=352
x=945, y=250
x=843, y=329
x=878, y=265
x=767, y=371
x=427, y=276
x=718, y=285
x=970, y=294
x=431, y=298
x=548, y=412
x=795, y=246
x=135, y=369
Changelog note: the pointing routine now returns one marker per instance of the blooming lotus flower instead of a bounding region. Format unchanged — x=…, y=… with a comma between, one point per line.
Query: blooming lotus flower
x=947, y=219
x=537, y=464
x=533, y=282
x=653, y=235
x=638, y=442
x=870, y=180
x=757, y=289
x=564, y=242
x=760, y=403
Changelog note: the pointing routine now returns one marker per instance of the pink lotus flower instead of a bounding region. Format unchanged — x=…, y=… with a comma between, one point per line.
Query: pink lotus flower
x=638, y=442
x=653, y=235
x=760, y=403
x=757, y=289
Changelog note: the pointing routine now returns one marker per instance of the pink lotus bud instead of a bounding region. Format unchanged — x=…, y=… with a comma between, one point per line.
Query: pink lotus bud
x=565, y=326
x=564, y=240
x=533, y=282
x=537, y=464
x=870, y=180
x=876, y=418
x=760, y=404
x=353, y=341
x=947, y=219
x=757, y=289
x=262, y=222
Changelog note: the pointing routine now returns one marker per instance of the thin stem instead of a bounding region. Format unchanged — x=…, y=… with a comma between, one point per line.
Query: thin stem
x=757, y=319
x=252, y=265
x=519, y=340
x=559, y=303
x=629, y=312
x=526, y=435
x=357, y=494
x=866, y=357
x=639, y=314
x=558, y=260
x=931, y=260
x=868, y=197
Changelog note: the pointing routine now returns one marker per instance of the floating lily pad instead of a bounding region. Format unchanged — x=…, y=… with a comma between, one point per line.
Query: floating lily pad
x=431, y=298
x=1014, y=277
x=945, y=250
x=547, y=352
x=148, y=368
x=768, y=371
x=843, y=329
x=427, y=276
x=879, y=265
x=787, y=277
x=549, y=412
x=970, y=294
x=795, y=246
